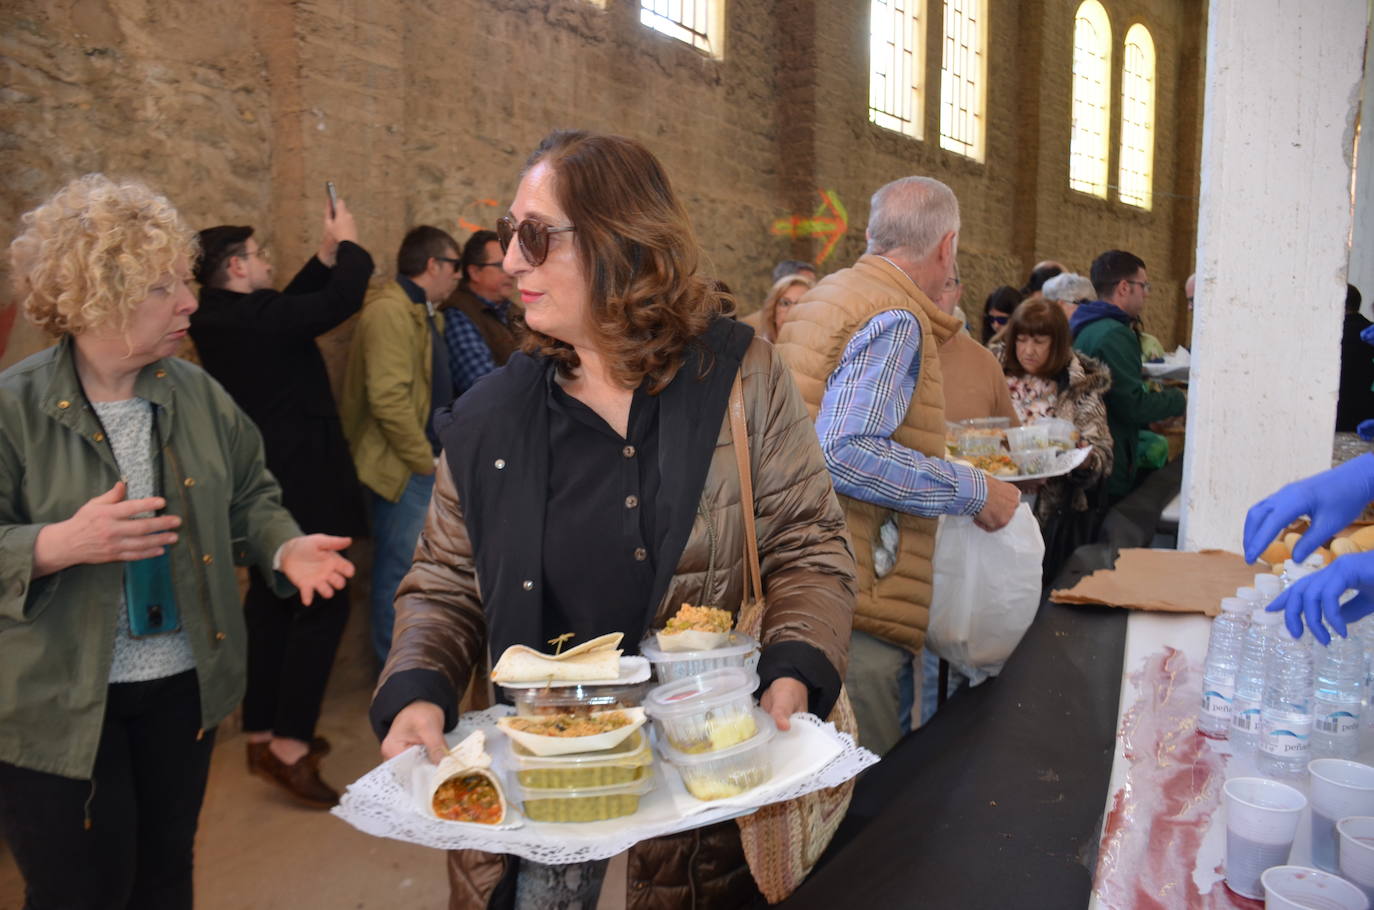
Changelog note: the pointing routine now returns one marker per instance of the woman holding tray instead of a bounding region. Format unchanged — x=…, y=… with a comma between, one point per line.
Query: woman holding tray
x=1048, y=378
x=590, y=486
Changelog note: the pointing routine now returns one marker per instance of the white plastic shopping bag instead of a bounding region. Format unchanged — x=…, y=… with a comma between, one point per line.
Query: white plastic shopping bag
x=986, y=591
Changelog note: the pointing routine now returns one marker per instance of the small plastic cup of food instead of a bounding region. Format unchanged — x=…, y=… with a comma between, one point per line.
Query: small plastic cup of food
x=629, y=761
x=980, y=442
x=727, y=772
x=575, y=699
x=1063, y=434
x=705, y=713
x=1035, y=461
x=581, y=804
x=670, y=666
x=1025, y=439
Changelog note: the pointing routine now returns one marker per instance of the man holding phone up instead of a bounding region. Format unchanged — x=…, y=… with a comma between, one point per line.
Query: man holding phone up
x=260, y=344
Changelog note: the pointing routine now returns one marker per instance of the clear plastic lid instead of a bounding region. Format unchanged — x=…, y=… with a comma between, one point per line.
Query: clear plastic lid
x=633, y=788
x=763, y=722
x=630, y=752
x=575, y=695
x=701, y=693
x=1235, y=605
x=739, y=645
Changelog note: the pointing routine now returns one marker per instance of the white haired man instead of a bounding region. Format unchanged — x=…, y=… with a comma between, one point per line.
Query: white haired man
x=863, y=349
x=1069, y=289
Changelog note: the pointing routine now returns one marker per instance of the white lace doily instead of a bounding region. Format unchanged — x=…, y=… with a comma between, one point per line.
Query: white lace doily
x=811, y=756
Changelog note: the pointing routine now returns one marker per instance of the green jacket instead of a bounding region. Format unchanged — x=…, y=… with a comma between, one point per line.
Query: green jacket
x=1131, y=404
x=386, y=391
x=57, y=632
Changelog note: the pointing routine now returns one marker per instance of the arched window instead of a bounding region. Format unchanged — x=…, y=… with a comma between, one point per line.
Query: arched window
x=1137, y=118
x=896, y=36
x=1092, y=78
x=700, y=23
x=963, y=77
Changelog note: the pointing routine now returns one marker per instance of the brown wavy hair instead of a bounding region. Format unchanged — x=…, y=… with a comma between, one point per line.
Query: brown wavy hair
x=88, y=256
x=1038, y=317
x=639, y=253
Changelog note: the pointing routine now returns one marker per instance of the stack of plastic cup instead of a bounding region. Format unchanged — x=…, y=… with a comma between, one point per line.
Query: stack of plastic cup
x=1357, y=852
x=1339, y=788
x=1261, y=822
x=1301, y=888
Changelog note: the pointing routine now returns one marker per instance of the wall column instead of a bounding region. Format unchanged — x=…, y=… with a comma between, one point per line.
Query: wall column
x=1282, y=93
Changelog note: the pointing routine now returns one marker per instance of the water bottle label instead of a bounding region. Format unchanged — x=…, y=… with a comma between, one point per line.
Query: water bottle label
x=1217, y=697
x=1286, y=734
x=1245, y=714
x=1338, y=722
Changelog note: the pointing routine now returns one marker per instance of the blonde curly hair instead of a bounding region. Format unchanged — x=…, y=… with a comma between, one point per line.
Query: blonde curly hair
x=90, y=254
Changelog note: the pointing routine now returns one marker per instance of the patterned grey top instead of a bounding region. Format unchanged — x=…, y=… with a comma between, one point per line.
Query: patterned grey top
x=129, y=426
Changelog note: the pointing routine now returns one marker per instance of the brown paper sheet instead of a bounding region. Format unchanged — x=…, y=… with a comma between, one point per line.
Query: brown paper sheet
x=1165, y=580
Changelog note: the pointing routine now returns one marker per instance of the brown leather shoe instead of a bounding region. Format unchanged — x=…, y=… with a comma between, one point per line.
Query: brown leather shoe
x=255, y=753
x=301, y=780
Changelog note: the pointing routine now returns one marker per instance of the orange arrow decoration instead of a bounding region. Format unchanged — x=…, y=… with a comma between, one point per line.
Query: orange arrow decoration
x=463, y=222
x=830, y=222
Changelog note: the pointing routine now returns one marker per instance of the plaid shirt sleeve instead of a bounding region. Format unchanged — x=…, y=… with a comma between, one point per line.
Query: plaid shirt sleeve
x=866, y=399
x=469, y=357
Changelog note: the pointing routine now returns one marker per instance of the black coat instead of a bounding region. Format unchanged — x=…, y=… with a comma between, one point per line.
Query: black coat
x=1356, y=401
x=261, y=347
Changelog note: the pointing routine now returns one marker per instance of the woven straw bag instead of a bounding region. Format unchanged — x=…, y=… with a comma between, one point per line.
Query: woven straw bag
x=782, y=841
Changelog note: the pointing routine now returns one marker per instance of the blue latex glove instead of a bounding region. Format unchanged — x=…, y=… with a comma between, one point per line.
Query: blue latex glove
x=1332, y=499
x=1365, y=430
x=1367, y=336
x=1317, y=597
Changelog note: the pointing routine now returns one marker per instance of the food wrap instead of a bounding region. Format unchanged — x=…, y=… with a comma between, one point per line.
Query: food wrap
x=545, y=746
x=692, y=640
x=467, y=758
x=592, y=660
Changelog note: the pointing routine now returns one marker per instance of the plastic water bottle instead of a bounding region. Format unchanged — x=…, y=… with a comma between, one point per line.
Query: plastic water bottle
x=1250, y=595
x=1364, y=631
x=1256, y=647
x=1286, y=713
x=1341, y=677
x=1269, y=586
x=1219, y=672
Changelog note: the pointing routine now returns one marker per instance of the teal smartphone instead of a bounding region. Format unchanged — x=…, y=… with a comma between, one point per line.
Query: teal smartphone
x=151, y=601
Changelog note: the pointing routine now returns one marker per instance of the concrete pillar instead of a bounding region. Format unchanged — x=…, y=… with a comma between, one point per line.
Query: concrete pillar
x=1283, y=81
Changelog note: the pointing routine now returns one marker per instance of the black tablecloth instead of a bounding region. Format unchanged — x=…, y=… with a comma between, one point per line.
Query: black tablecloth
x=998, y=800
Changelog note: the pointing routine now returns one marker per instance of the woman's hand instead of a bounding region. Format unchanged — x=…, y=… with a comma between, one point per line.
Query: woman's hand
x=103, y=530
x=314, y=566
x=420, y=723
x=785, y=697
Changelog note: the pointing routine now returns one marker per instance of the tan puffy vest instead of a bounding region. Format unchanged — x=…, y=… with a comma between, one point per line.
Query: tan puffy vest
x=896, y=607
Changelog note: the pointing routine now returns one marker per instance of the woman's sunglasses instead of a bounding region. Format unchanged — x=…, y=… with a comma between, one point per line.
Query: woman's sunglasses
x=533, y=235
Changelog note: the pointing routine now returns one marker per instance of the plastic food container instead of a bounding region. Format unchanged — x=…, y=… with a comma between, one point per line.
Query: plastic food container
x=986, y=423
x=1036, y=461
x=670, y=666
x=628, y=762
x=705, y=713
x=1063, y=434
x=587, y=804
x=980, y=442
x=728, y=772
x=564, y=699
x=1023, y=439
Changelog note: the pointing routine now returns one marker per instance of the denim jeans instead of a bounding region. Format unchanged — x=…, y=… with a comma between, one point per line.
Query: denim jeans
x=396, y=527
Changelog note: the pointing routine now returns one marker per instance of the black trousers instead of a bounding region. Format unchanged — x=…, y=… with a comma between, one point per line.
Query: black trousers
x=291, y=650
x=125, y=838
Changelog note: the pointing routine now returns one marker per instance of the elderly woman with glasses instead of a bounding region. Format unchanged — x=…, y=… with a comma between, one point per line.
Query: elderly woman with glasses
x=777, y=306
x=130, y=485
x=590, y=486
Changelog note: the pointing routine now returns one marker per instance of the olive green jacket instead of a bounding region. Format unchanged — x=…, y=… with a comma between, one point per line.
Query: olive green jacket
x=385, y=402
x=57, y=632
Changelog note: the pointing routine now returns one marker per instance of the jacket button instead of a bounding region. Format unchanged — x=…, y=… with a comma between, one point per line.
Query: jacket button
x=628, y=451
x=500, y=464
x=208, y=559
x=161, y=374
x=200, y=734
x=219, y=636
x=190, y=481
x=631, y=501
x=98, y=437
x=63, y=405
x=641, y=554
x=527, y=585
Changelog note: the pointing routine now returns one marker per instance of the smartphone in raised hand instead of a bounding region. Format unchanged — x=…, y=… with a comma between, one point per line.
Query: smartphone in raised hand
x=333, y=198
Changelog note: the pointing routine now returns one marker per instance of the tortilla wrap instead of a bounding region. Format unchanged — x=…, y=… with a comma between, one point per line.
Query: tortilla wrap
x=469, y=757
x=692, y=640
x=592, y=660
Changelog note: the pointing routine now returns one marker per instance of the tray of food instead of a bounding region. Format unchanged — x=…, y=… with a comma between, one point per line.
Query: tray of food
x=1031, y=464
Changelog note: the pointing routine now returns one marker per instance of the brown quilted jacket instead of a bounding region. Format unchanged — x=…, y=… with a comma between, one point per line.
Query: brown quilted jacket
x=808, y=572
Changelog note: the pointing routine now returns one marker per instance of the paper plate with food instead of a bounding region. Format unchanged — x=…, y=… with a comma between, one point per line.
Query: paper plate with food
x=565, y=734
x=696, y=629
x=600, y=661
x=463, y=788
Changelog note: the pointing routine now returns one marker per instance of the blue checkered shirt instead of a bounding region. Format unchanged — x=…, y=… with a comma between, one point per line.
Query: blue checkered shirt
x=469, y=357
x=866, y=400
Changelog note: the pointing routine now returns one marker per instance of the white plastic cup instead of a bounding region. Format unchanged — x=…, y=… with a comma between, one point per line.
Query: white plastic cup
x=1301, y=888
x=1339, y=788
x=1261, y=822
x=1357, y=852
